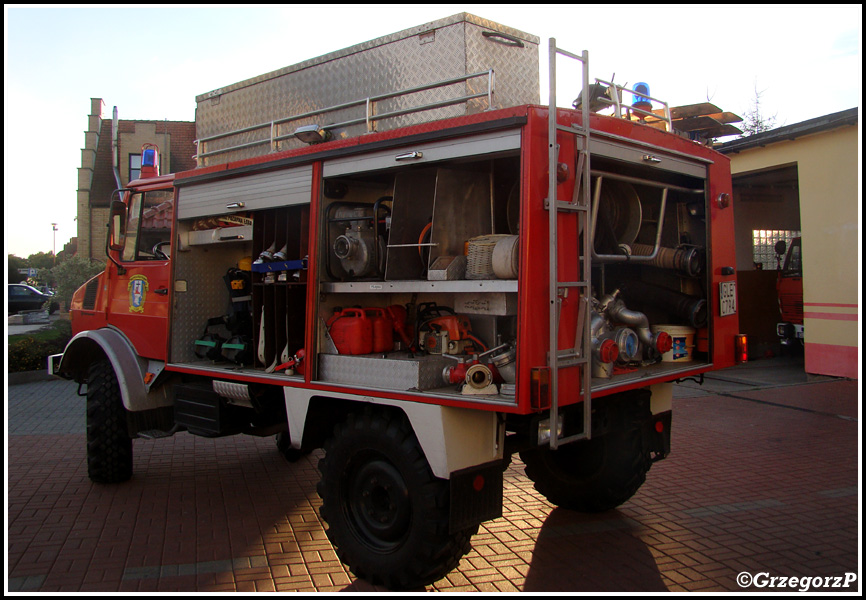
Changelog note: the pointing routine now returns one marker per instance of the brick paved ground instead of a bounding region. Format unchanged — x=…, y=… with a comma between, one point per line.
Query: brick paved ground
x=759, y=481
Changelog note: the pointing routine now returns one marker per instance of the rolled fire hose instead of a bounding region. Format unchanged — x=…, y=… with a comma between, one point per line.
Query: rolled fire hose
x=687, y=261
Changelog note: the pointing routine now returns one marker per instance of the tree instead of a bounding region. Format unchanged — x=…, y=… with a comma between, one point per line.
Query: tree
x=71, y=274
x=41, y=260
x=755, y=121
x=15, y=263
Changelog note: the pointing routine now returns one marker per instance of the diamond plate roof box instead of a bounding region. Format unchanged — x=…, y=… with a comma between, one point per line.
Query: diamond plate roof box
x=259, y=115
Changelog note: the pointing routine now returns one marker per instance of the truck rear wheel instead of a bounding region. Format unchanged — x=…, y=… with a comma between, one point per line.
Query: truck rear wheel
x=387, y=513
x=284, y=446
x=593, y=475
x=109, y=447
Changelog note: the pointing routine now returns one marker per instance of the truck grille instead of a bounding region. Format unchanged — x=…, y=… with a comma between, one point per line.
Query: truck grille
x=90, y=294
x=792, y=308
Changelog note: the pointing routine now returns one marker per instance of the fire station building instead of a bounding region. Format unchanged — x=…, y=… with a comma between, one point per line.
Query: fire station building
x=801, y=180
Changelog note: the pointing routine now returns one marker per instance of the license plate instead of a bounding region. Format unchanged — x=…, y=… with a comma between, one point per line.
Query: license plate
x=727, y=298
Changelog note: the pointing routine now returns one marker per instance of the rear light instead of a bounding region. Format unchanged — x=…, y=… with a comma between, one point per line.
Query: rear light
x=741, y=348
x=785, y=330
x=539, y=388
x=660, y=427
x=543, y=436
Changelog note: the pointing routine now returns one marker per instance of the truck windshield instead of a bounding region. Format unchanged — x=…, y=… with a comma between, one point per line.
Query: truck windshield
x=148, y=228
x=793, y=264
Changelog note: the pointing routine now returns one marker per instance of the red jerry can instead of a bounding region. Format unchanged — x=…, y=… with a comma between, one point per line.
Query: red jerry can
x=351, y=331
x=383, y=330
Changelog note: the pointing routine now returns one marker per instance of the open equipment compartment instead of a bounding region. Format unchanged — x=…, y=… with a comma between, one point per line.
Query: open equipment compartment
x=279, y=285
x=207, y=256
x=635, y=297
x=397, y=309
x=248, y=315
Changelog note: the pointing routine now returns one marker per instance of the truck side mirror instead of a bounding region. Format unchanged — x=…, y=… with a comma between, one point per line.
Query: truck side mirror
x=780, y=247
x=116, y=225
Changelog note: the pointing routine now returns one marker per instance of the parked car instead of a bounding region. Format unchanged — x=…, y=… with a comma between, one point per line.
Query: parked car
x=24, y=297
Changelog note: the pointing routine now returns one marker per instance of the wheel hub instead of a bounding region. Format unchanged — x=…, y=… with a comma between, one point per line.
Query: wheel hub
x=379, y=504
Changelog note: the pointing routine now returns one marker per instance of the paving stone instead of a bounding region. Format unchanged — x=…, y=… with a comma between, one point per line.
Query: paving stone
x=758, y=480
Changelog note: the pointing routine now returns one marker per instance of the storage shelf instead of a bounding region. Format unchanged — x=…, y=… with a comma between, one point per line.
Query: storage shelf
x=461, y=286
x=279, y=283
x=220, y=235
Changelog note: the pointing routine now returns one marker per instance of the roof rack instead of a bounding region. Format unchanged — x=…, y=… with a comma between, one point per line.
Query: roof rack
x=370, y=117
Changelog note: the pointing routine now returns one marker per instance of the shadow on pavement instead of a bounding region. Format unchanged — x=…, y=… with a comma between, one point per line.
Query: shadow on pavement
x=600, y=553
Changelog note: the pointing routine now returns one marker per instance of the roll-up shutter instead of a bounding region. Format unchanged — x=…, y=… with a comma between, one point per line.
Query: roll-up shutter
x=285, y=187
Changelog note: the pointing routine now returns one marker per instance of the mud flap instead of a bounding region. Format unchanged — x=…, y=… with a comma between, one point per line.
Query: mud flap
x=476, y=495
x=659, y=435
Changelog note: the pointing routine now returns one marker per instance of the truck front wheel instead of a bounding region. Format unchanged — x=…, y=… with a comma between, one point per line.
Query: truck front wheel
x=593, y=475
x=387, y=513
x=109, y=447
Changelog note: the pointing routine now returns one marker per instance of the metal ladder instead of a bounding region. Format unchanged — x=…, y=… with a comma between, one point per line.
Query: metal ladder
x=579, y=356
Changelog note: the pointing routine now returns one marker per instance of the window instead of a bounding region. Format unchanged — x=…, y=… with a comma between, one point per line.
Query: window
x=148, y=224
x=793, y=265
x=134, y=166
x=764, y=243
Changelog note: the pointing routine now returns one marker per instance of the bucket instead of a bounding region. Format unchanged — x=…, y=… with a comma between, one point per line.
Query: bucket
x=351, y=331
x=684, y=342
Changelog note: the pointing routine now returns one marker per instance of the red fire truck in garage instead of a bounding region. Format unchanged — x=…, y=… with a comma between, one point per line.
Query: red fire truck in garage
x=422, y=299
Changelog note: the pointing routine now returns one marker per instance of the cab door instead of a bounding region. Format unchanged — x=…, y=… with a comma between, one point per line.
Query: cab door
x=139, y=294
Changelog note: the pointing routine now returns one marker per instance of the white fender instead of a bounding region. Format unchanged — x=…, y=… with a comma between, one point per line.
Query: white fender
x=452, y=438
x=128, y=366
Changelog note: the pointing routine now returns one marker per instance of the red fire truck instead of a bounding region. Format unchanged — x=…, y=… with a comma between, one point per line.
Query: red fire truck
x=422, y=302
x=789, y=288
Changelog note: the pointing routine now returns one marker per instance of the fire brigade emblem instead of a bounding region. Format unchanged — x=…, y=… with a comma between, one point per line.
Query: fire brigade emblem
x=137, y=293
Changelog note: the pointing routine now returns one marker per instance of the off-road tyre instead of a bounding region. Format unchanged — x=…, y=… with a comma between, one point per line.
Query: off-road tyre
x=284, y=446
x=592, y=475
x=387, y=514
x=109, y=447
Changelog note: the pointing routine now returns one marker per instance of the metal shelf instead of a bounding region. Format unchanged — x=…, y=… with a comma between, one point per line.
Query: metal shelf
x=461, y=286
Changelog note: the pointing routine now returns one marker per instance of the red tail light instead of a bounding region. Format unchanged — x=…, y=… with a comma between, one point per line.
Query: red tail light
x=539, y=384
x=741, y=348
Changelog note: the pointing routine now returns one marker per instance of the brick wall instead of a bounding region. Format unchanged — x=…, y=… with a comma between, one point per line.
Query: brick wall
x=96, y=180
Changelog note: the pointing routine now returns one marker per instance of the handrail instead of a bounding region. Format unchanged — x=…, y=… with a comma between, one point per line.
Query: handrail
x=369, y=117
x=615, y=90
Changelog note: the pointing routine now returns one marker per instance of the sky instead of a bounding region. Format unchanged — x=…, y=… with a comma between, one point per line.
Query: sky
x=804, y=60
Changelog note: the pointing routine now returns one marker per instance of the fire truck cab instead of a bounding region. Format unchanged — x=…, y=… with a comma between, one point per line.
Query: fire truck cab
x=423, y=303
x=789, y=288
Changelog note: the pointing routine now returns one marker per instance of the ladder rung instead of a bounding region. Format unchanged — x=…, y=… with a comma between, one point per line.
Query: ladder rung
x=572, y=438
x=570, y=360
x=563, y=206
x=560, y=284
x=573, y=129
